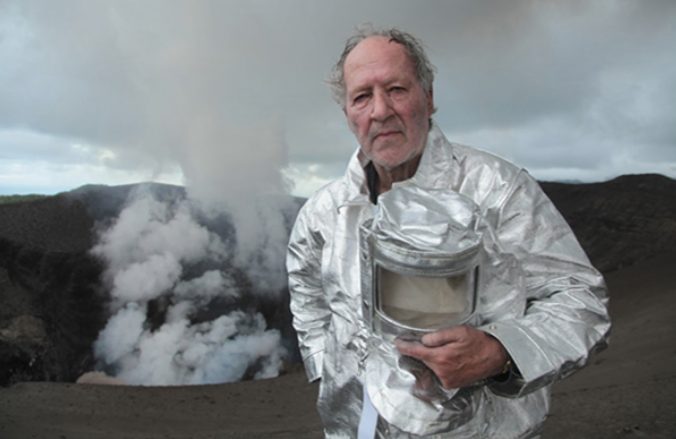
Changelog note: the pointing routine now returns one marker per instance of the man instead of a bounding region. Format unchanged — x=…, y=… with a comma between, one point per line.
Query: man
x=383, y=81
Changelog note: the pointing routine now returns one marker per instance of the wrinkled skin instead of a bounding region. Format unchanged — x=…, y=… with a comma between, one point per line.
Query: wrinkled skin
x=386, y=108
x=458, y=356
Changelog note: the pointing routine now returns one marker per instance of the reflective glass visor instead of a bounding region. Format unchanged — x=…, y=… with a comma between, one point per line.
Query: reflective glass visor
x=425, y=302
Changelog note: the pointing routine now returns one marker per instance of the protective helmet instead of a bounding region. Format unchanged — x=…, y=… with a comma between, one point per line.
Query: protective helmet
x=419, y=261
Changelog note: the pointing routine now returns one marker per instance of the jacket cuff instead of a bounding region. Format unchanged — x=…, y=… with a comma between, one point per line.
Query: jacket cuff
x=313, y=365
x=524, y=376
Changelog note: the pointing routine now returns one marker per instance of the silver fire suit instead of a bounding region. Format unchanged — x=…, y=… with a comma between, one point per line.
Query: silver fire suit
x=556, y=318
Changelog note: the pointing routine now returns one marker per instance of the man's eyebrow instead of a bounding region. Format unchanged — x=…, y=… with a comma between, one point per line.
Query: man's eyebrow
x=387, y=83
x=359, y=89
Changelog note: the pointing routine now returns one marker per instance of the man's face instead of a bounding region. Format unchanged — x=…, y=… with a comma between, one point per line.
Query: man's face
x=386, y=107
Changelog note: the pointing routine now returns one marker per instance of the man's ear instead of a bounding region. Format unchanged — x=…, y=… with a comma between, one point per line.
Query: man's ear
x=430, y=101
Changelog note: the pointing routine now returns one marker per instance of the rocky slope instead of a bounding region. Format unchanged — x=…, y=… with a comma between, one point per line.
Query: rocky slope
x=619, y=222
x=53, y=302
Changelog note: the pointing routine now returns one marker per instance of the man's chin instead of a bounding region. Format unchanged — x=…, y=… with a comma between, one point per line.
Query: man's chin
x=391, y=164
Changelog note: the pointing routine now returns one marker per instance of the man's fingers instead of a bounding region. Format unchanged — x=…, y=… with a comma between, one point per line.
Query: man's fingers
x=411, y=348
x=458, y=356
x=424, y=348
x=444, y=336
x=429, y=356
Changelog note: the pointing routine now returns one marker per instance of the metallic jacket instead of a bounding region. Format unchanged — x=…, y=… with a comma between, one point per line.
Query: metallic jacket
x=551, y=316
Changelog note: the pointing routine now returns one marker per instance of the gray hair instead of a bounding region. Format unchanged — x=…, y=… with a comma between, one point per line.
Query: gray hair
x=423, y=67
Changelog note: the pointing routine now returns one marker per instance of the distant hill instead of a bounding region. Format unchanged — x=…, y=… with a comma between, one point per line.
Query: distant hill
x=622, y=221
x=103, y=202
x=5, y=199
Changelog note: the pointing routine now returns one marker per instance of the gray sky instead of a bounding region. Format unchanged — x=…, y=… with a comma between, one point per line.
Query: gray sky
x=222, y=93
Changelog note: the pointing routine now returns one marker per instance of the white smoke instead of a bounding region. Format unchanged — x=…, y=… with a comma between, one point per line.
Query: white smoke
x=172, y=297
x=163, y=268
x=245, y=180
x=121, y=334
x=211, y=284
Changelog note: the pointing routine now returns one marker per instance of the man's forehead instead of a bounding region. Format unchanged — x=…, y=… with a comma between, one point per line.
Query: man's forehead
x=375, y=52
x=375, y=48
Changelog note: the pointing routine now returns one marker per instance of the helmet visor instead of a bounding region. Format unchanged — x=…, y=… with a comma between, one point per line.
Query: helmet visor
x=424, y=302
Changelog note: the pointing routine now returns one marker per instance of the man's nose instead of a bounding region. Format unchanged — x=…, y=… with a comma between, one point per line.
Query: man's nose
x=382, y=106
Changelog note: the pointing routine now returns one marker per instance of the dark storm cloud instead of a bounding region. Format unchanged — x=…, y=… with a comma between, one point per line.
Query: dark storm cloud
x=240, y=82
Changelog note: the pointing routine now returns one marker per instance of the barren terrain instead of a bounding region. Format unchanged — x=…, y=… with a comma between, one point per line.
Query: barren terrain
x=49, y=316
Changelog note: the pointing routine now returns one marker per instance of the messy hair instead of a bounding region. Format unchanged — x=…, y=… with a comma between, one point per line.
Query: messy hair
x=423, y=67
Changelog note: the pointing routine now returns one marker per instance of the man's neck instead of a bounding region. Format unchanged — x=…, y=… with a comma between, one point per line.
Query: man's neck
x=387, y=177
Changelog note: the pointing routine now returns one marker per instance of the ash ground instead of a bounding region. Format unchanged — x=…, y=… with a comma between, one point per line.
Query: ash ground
x=628, y=390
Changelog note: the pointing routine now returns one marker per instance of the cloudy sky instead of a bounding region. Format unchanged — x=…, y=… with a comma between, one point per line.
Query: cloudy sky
x=122, y=91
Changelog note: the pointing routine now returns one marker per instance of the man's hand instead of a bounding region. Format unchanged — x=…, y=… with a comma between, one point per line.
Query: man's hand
x=459, y=356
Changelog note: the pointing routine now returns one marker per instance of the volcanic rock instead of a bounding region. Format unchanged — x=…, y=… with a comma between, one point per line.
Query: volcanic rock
x=620, y=222
x=51, y=304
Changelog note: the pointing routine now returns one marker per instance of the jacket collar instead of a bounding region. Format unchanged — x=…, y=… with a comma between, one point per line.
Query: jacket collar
x=434, y=170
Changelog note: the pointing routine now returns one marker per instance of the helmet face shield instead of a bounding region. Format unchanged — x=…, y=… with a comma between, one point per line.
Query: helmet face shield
x=424, y=303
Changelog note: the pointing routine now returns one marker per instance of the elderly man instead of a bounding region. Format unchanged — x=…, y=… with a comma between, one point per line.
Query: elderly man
x=496, y=371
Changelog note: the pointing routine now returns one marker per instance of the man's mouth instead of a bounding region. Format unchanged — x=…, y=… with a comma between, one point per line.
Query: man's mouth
x=385, y=134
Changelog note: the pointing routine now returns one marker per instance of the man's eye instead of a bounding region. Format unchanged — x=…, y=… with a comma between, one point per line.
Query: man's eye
x=397, y=90
x=360, y=99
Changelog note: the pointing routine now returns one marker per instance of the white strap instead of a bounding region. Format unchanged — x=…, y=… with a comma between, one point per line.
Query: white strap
x=369, y=419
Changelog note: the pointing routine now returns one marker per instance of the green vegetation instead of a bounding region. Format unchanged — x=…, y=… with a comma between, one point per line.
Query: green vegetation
x=7, y=199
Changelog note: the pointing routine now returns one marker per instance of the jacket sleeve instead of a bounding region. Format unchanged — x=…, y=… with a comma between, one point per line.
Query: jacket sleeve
x=566, y=316
x=311, y=313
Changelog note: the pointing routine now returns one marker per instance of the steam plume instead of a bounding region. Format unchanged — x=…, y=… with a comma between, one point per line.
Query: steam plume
x=175, y=302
